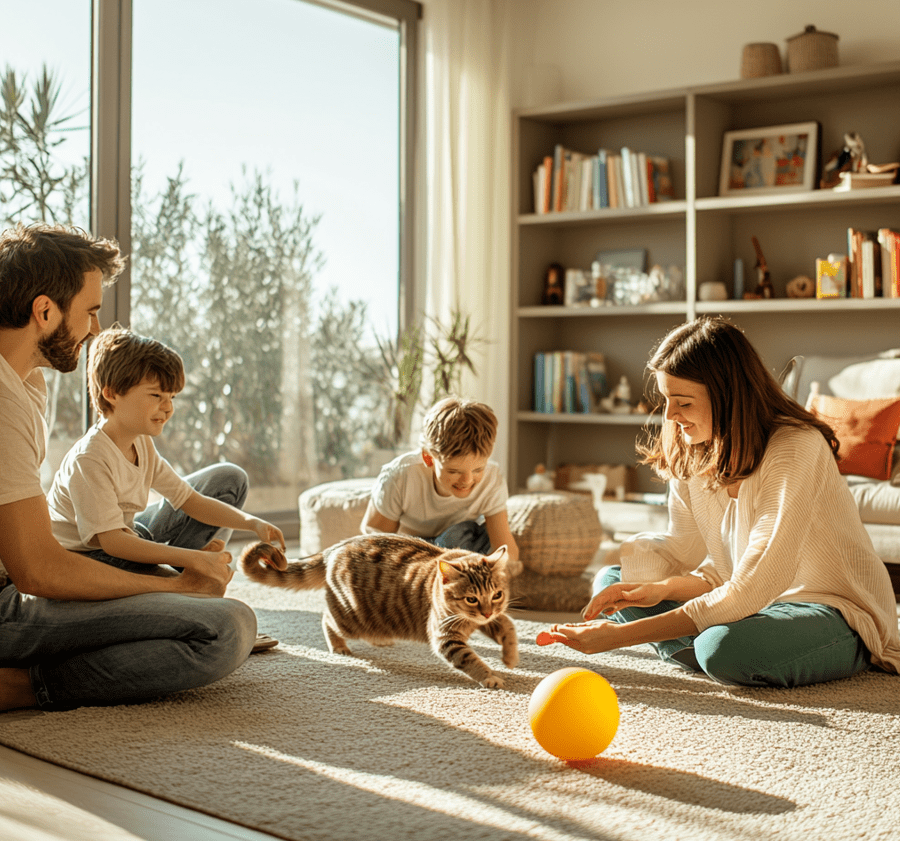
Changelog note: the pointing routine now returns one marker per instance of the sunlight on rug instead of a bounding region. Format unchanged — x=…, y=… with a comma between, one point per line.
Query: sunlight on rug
x=307, y=745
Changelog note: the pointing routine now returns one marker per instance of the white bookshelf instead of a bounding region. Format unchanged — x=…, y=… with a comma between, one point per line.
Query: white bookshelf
x=701, y=232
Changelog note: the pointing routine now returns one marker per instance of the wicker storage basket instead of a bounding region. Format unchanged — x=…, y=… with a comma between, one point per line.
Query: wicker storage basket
x=812, y=50
x=558, y=533
x=760, y=60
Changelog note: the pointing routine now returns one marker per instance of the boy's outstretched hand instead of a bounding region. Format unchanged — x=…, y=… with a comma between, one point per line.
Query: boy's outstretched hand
x=268, y=533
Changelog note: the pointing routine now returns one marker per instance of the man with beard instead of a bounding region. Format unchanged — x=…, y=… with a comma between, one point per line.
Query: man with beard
x=75, y=632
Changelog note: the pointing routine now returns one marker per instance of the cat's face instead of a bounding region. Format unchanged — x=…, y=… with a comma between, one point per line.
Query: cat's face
x=476, y=586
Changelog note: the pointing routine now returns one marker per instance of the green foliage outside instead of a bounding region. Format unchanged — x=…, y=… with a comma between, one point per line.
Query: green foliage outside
x=289, y=385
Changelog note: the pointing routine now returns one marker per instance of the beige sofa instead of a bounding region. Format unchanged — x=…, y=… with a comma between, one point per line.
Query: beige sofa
x=868, y=377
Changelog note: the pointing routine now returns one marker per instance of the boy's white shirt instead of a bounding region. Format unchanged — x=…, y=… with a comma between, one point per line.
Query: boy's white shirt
x=404, y=492
x=97, y=489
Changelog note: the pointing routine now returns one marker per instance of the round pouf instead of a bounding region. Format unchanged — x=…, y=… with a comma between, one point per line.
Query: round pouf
x=558, y=533
x=574, y=713
x=332, y=512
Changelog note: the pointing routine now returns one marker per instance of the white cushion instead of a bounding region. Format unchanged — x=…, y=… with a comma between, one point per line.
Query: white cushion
x=869, y=380
x=878, y=501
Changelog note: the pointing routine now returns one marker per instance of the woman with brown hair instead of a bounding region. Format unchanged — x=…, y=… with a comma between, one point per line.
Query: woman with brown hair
x=766, y=575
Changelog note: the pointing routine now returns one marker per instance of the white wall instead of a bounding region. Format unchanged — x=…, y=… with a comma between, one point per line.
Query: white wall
x=609, y=47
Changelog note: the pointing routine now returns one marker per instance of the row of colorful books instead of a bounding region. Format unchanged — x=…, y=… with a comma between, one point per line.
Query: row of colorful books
x=570, y=180
x=869, y=269
x=569, y=381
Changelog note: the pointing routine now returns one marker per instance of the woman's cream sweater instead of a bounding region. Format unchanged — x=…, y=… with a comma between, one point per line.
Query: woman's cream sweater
x=792, y=535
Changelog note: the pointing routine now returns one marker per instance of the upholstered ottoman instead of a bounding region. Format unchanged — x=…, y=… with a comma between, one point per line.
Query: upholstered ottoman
x=332, y=512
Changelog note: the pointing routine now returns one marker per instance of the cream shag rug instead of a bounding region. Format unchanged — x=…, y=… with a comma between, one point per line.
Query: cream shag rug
x=393, y=744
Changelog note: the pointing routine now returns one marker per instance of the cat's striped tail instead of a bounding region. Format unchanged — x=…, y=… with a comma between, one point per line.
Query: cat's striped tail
x=267, y=564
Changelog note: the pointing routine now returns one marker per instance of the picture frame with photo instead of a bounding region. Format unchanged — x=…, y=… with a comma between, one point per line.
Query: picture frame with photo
x=774, y=159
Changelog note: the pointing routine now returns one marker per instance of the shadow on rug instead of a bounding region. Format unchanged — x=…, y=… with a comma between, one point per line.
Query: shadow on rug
x=393, y=743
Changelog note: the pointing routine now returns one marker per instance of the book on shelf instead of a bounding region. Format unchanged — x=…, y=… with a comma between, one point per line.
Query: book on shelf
x=586, y=193
x=864, y=269
x=661, y=176
x=601, y=181
x=889, y=246
x=642, y=177
x=569, y=180
x=616, y=190
x=629, y=171
x=568, y=382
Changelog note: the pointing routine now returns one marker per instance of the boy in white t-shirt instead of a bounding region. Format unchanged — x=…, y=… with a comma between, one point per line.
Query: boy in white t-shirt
x=448, y=492
x=98, y=501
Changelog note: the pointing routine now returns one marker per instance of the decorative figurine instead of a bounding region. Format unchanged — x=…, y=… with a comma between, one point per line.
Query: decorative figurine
x=619, y=402
x=540, y=480
x=801, y=287
x=553, y=285
x=764, y=288
x=851, y=158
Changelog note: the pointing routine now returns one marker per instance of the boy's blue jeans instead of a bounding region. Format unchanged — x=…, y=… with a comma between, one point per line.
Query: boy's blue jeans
x=127, y=650
x=469, y=535
x=162, y=523
x=785, y=644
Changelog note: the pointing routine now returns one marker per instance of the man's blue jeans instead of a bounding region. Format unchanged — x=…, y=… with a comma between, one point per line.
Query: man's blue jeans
x=126, y=650
x=785, y=644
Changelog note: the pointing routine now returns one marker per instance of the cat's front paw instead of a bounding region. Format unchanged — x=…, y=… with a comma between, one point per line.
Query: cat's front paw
x=492, y=681
x=510, y=656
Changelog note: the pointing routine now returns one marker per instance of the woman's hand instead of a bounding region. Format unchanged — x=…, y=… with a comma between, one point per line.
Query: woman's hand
x=586, y=637
x=616, y=596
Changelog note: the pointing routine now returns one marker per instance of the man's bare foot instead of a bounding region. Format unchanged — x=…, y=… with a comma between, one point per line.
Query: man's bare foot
x=214, y=545
x=263, y=643
x=15, y=690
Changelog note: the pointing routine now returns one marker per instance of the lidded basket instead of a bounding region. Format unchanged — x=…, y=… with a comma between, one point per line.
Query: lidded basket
x=812, y=50
x=760, y=60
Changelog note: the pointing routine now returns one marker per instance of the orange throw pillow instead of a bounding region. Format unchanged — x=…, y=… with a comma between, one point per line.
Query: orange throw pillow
x=865, y=429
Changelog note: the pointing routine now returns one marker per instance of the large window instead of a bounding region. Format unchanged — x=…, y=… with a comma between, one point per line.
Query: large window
x=254, y=159
x=45, y=144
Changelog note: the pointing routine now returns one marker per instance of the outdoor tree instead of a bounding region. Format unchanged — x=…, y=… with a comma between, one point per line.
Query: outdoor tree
x=36, y=185
x=287, y=383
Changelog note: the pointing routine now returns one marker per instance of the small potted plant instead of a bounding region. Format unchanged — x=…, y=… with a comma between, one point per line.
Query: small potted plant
x=436, y=351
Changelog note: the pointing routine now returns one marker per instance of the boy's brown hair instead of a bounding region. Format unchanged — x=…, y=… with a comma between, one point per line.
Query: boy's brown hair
x=457, y=427
x=49, y=260
x=121, y=359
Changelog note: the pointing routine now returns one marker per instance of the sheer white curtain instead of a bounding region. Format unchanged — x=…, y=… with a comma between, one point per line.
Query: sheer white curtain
x=466, y=193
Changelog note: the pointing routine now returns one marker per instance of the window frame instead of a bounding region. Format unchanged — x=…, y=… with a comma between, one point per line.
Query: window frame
x=111, y=57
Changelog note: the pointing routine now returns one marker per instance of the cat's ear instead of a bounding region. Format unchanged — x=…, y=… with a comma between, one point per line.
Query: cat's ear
x=448, y=571
x=501, y=554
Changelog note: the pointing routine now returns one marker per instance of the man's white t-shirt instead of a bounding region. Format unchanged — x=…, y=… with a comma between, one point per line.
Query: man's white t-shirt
x=23, y=435
x=404, y=492
x=97, y=489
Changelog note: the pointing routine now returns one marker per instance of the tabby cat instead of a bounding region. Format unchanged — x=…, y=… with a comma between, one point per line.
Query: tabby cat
x=383, y=587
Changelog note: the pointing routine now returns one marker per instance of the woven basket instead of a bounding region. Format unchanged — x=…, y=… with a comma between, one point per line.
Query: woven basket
x=557, y=533
x=760, y=60
x=812, y=50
